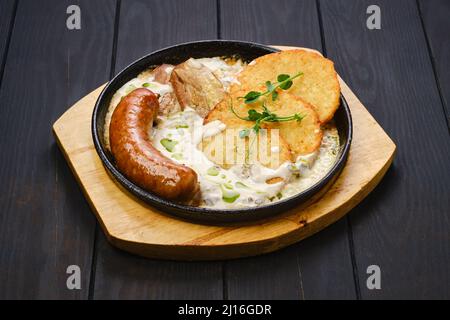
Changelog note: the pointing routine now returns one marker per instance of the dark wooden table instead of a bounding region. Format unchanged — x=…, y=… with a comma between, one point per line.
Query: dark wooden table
x=400, y=72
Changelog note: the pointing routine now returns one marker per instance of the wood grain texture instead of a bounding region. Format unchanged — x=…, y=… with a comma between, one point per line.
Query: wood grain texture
x=403, y=226
x=145, y=26
x=297, y=23
x=121, y=275
x=286, y=22
x=268, y=277
x=7, y=15
x=45, y=223
x=436, y=21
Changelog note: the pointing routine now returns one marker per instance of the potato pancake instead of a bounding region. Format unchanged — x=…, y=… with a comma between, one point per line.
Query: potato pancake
x=302, y=136
x=318, y=85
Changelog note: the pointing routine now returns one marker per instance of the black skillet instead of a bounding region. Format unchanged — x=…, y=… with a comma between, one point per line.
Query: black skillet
x=210, y=48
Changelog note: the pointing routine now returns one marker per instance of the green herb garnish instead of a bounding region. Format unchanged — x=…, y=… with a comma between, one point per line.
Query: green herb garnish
x=168, y=144
x=146, y=84
x=182, y=126
x=228, y=195
x=212, y=171
x=265, y=116
x=284, y=82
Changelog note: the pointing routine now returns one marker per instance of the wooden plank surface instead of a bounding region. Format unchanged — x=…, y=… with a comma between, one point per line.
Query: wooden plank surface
x=46, y=224
x=124, y=276
x=436, y=21
x=307, y=270
x=144, y=27
x=403, y=226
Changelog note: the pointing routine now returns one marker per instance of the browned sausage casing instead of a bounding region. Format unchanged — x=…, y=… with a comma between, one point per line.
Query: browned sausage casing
x=135, y=155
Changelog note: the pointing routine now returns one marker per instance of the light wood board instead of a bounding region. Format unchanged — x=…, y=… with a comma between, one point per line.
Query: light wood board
x=138, y=228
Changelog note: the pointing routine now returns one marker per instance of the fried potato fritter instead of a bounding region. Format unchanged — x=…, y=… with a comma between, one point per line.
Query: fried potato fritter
x=229, y=148
x=318, y=85
x=302, y=136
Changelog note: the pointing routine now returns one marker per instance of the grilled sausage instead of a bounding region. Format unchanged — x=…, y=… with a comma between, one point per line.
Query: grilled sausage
x=135, y=155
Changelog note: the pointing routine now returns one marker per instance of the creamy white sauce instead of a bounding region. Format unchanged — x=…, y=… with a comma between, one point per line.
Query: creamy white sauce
x=185, y=130
x=178, y=136
x=309, y=169
x=213, y=128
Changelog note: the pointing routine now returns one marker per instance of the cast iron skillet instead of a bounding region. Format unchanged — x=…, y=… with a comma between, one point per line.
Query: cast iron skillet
x=210, y=48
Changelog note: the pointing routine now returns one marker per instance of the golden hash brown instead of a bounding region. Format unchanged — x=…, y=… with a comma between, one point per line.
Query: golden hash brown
x=318, y=85
x=227, y=148
x=221, y=111
x=252, y=145
x=303, y=137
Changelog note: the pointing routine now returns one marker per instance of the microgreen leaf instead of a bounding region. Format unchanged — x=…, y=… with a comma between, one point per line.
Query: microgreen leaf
x=298, y=117
x=274, y=95
x=270, y=86
x=254, y=115
x=256, y=127
x=286, y=85
x=282, y=77
x=252, y=96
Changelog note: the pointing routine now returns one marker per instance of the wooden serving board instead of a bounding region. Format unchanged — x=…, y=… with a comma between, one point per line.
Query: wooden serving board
x=136, y=227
